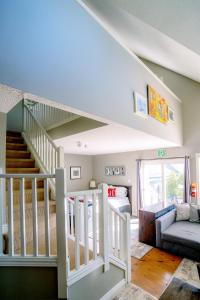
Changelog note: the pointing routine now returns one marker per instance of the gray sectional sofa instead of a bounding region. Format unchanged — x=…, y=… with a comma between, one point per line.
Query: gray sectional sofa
x=181, y=238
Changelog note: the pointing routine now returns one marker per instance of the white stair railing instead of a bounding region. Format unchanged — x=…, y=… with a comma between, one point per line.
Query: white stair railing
x=51, y=117
x=47, y=154
x=119, y=239
x=17, y=220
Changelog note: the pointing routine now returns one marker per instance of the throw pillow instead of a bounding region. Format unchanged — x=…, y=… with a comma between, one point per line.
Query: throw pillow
x=182, y=212
x=194, y=213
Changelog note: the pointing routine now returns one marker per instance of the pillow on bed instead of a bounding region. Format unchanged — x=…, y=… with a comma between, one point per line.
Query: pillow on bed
x=111, y=192
x=121, y=191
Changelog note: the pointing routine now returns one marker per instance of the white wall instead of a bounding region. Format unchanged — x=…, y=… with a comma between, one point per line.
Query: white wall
x=15, y=118
x=77, y=63
x=86, y=164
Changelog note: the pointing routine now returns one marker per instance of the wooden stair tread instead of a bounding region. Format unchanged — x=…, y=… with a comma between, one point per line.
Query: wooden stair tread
x=15, y=146
x=17, y=154
x=20, y=163
x=20, y=159
x=15, y=139
x=22, y=170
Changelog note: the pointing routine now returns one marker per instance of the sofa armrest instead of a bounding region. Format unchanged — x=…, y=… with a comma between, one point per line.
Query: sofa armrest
x=163, y=223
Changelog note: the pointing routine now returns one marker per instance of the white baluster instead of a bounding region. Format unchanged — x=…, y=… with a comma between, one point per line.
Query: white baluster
x=116, y=234
x=47, y=227
x=72, y=218
x=111, y=229
x=103, y=226
x=35, y=217
x=94, y=226
x=86, y=247
x=10, y=218
x=77, y=234
x=22, y=218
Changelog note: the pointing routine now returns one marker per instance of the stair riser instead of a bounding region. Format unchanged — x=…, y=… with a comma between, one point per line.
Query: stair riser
x=20, y=164
x=17, y=154
x=13, y=134
x=12, y=146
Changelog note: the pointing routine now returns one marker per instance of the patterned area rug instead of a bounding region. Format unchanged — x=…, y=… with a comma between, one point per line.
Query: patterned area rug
x=138, y=250
x=188, y=272
x=185, y=284
x=133, y=292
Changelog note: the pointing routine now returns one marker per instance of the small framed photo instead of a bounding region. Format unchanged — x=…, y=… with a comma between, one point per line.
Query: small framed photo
x=170, y=114
x=140, y=105
x=75, y=173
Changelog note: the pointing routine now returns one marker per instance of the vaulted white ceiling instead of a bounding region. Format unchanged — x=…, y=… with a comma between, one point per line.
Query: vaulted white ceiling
x=163, y=31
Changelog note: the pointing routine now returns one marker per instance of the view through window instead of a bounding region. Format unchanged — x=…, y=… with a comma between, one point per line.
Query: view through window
x=162, y=181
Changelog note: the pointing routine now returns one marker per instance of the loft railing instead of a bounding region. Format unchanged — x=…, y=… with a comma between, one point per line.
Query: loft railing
x=47, y=154
x=50, y=117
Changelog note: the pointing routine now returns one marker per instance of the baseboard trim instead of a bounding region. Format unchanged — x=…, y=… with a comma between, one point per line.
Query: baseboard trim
x=114, y=291
x=75, y=276
x=5, y=228
x=27, y=261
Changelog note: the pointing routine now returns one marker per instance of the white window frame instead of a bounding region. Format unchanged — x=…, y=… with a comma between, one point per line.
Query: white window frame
x=161, y=162
x=197, y=157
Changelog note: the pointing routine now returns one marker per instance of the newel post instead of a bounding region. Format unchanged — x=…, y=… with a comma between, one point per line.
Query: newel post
x=61, y=225
x=103, y=225
x=61, y=157
x=127, y=246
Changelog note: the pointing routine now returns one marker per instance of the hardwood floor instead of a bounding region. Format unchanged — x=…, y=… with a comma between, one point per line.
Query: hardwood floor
x=154, y=271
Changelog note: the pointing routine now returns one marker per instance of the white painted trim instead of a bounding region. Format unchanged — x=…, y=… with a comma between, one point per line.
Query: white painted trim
x=119, y=41
x=117, y=262
x=85, y=193
x=31, y=261
x=5, y=228
x=84, y=270
x=114, y=291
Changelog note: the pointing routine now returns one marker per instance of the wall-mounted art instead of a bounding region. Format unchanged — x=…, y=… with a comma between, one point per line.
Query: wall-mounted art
x=170, y=114
x=140, y=105
x=115, y=171
x=75, y=173
x=158, y=108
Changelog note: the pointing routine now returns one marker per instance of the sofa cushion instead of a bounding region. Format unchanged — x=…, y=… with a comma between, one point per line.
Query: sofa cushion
x=184, y=233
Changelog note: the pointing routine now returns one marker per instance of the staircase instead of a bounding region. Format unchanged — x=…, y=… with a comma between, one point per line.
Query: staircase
x=19, y=161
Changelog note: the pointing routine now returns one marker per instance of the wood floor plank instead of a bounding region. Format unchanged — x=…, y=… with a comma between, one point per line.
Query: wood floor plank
x=154, y=271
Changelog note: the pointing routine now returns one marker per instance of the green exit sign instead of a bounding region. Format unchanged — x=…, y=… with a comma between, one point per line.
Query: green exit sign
x=161, y=153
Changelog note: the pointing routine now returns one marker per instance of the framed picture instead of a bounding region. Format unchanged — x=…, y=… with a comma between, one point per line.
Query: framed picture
x=171, y=114
x=75, y=173
x=140, y=105
x=158, y=108
x=115, y=171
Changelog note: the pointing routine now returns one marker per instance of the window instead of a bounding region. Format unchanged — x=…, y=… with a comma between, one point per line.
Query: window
x=198, y=173
x=162, y=181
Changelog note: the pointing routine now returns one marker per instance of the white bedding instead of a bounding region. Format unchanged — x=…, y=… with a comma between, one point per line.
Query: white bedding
x=118, y=202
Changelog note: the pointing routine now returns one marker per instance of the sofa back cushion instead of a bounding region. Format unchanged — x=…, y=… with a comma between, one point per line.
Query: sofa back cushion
x=194, y=213
x=182, y=212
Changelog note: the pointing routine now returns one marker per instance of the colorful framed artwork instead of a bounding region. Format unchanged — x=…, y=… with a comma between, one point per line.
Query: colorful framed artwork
x=158, y=108
x=170, y=114
x=140, y=105
x=75, y=173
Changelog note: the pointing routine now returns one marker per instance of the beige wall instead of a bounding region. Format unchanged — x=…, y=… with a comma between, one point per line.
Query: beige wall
x=2, y=157
x=189, y=91
x=86, y=164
